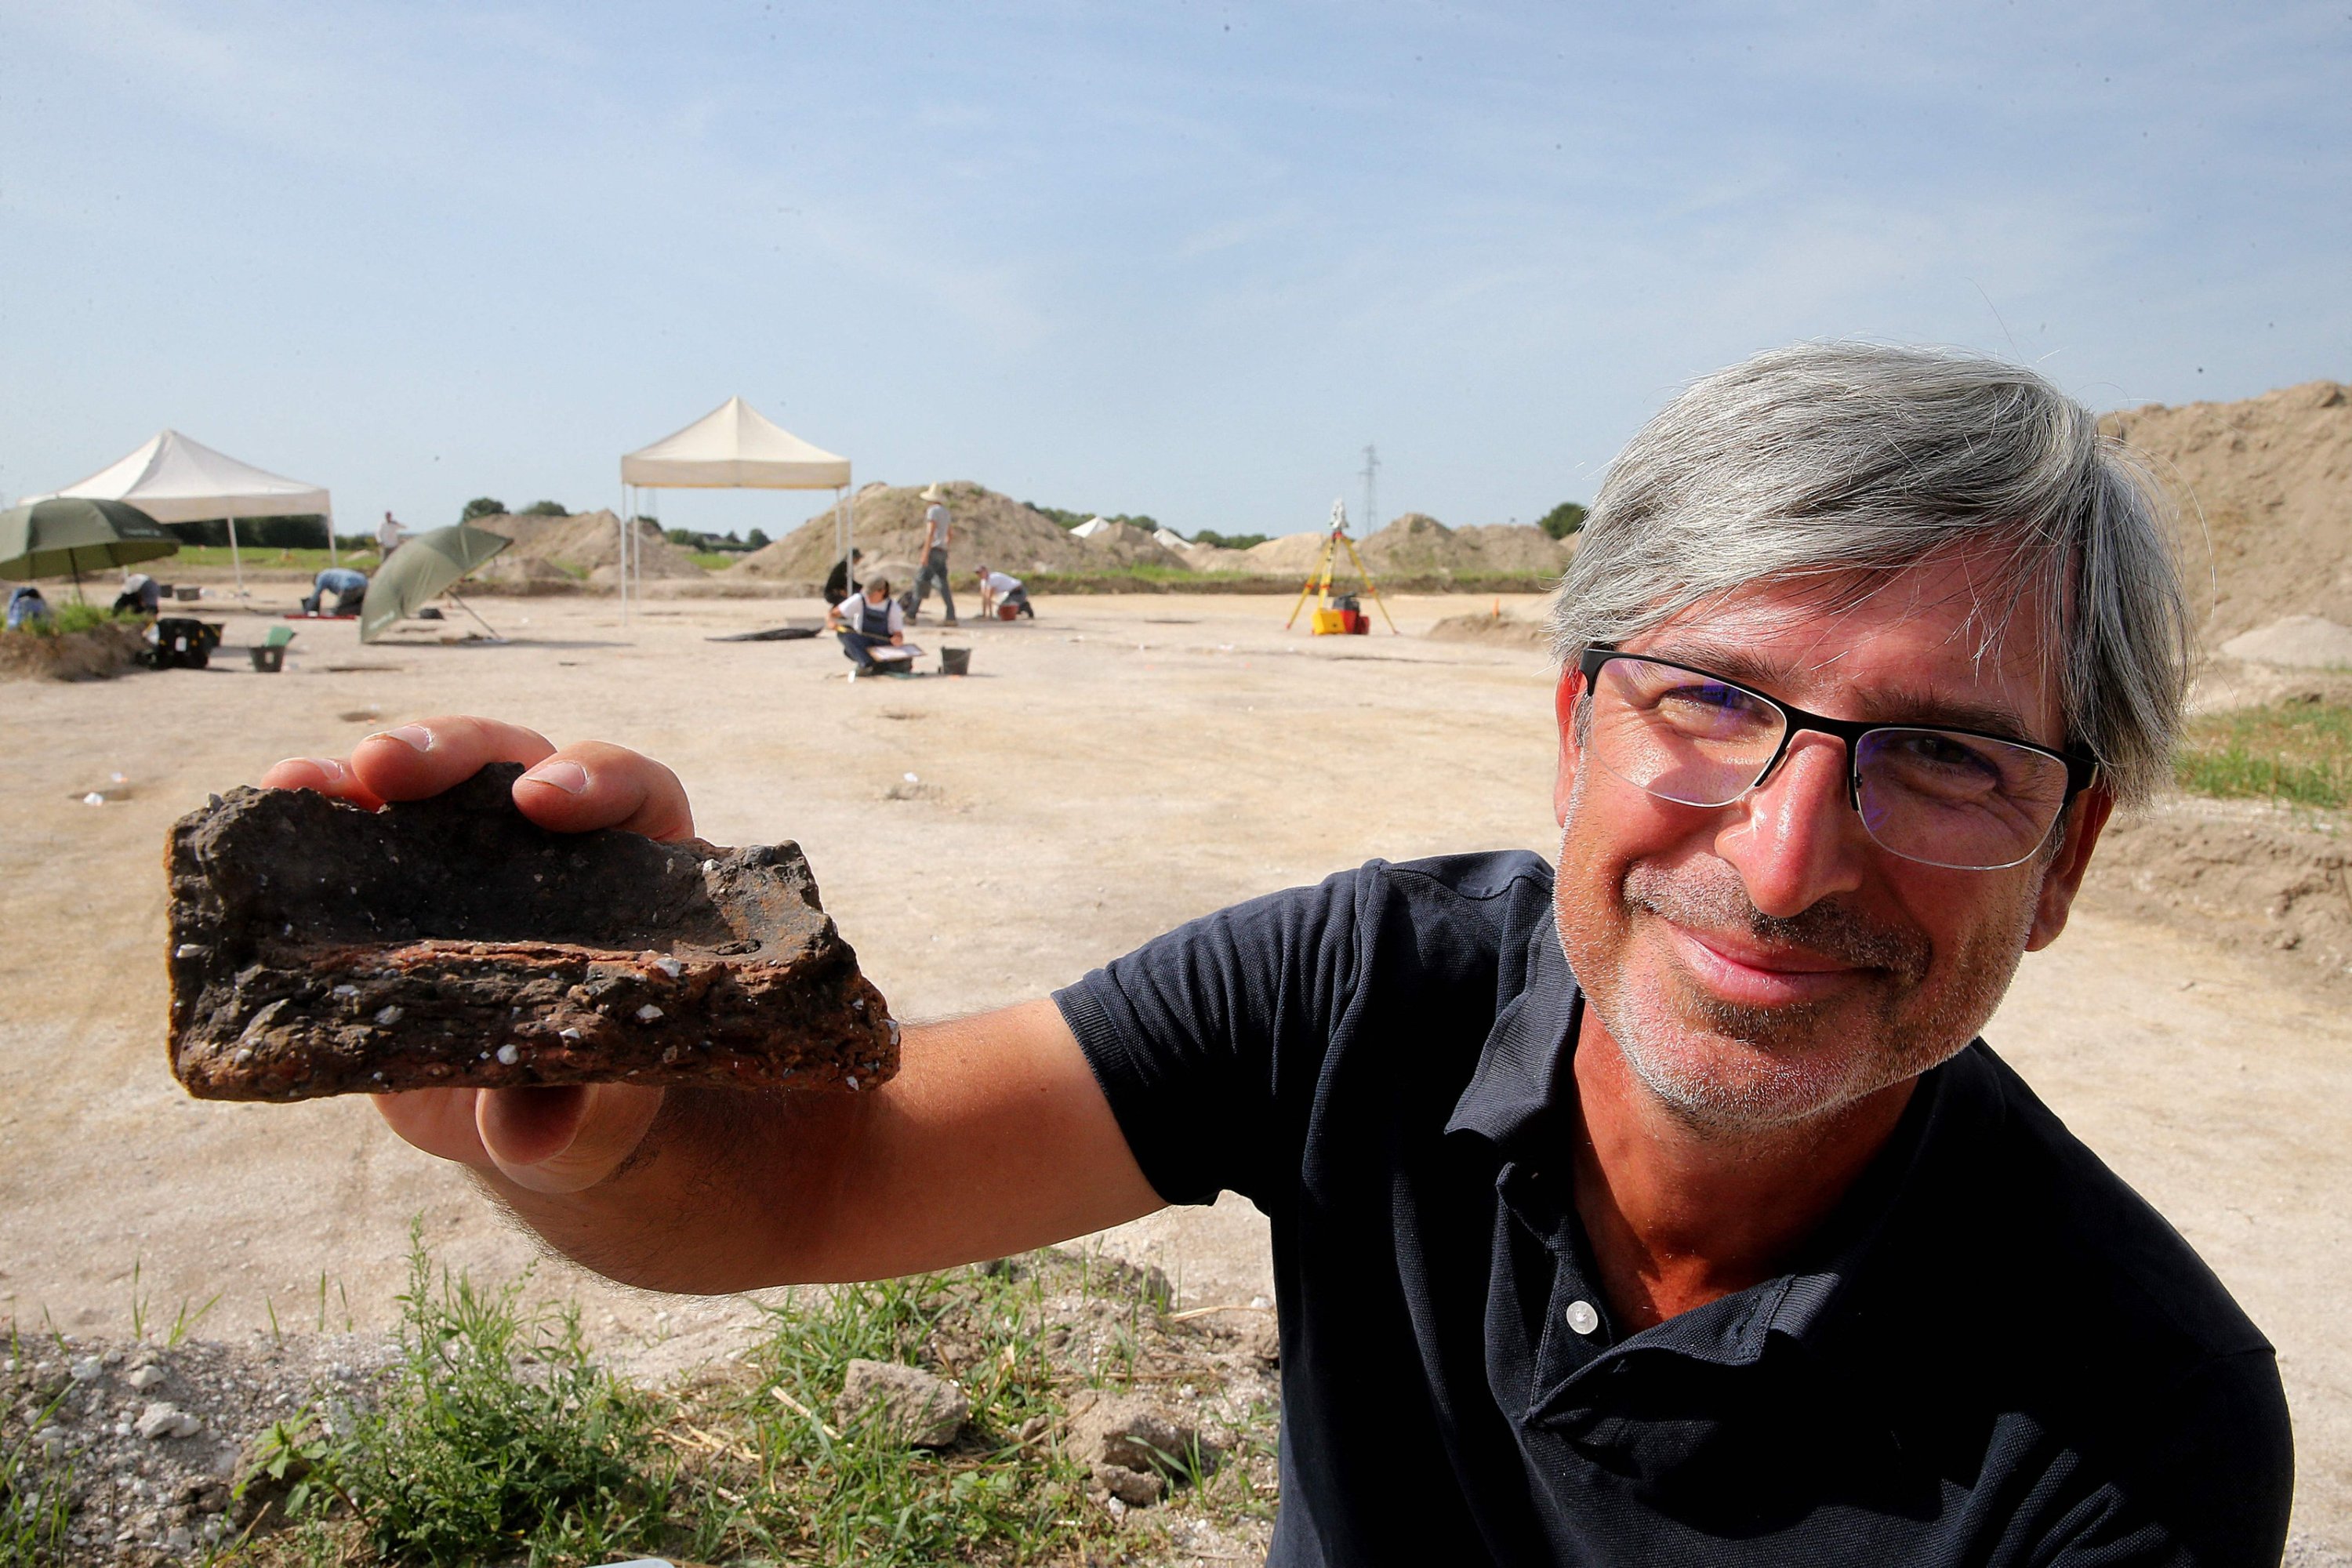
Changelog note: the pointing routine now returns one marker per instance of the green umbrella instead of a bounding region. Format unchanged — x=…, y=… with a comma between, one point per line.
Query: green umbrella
x=66, y=535
x=423, y=568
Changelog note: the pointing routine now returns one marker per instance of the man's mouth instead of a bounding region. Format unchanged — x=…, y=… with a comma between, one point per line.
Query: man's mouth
x=1748, y=974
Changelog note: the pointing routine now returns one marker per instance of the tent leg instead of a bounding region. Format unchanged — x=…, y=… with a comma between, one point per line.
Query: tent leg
x=235, y=560
x=334, y=557
x=623, y=563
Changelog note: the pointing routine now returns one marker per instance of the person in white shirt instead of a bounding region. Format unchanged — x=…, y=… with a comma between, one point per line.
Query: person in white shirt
x=388, y=537
x=867, y=621
x=937, y=528
x=1000, y=591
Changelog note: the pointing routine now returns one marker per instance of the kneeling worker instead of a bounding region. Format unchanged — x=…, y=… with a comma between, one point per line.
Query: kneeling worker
x=867, y=621
x=998, y=590
x=349, y=587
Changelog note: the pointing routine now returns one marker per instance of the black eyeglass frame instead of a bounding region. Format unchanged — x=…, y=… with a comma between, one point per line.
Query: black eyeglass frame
x=2081, y=771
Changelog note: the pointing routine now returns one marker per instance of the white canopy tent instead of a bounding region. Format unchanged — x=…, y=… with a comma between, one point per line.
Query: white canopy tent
x=174, y=479
x=734, y=447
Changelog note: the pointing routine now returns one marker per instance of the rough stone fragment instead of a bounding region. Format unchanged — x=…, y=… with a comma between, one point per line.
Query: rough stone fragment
x=1137, y=1489
x=160, y=1420
x=925, y=1410
x=317, y=949
x=1122, y=1436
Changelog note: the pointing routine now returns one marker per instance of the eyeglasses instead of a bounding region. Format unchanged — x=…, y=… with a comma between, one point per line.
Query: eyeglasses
x=1955, y=798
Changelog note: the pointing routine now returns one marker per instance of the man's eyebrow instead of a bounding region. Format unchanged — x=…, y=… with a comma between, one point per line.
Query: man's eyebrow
x=1892, y=704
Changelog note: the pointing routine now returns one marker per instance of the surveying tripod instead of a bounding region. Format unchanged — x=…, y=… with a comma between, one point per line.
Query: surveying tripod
x=1327, y=619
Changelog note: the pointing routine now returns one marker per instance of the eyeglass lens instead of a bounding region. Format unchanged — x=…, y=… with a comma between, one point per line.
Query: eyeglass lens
x=1935, y=795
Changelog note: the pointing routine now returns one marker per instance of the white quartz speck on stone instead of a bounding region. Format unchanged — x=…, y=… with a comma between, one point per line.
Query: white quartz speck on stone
x=508, y=1055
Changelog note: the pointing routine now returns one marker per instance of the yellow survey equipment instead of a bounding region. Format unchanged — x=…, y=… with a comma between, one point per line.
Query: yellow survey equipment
x=1344, y=616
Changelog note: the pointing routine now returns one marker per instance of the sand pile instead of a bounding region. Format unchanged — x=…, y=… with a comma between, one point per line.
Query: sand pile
x=2298, y=642
x=522, y=574
x=586, y=541
x=1491, y=626
x=2273, y=477
x=1123, y=544
x=991, y=528
x=1418, y=545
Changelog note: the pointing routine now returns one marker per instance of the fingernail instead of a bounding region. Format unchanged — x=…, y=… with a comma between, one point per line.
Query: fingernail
x=414, y=736
x=331, y=769
x=569, y=777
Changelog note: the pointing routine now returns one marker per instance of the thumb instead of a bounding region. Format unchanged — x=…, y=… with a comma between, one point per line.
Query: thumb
x=564, y=1140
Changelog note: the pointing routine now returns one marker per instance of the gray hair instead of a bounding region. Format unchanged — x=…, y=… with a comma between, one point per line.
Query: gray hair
x=1846, y=462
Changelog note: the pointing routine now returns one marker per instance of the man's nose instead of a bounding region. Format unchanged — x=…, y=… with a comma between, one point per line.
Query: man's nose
x=1795, y=839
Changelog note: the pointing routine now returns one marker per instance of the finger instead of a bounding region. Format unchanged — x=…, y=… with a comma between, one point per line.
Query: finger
x=325, y=775
x=564, y=1140
x=597, y=784
x=437, y=1121
x=433, y=754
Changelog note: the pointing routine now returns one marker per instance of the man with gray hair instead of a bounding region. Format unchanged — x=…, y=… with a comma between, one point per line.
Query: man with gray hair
x=1659, y=1204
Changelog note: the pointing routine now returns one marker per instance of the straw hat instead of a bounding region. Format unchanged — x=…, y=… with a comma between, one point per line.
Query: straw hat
x=934, y=493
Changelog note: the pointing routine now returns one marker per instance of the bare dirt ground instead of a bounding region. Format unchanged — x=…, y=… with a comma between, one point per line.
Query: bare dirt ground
x=1113, y=768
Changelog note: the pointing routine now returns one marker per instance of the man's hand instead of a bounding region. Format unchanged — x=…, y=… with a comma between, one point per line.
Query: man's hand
x=540, y=1140
x=995, y=1137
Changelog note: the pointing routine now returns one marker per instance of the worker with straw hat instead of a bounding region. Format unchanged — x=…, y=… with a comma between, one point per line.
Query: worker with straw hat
x=936, y=530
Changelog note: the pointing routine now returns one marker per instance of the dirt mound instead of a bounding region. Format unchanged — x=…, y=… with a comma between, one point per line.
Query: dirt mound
x=2272, y=477
x=522, y=576
x=1124, y=544
x=1289, y=556
x=2251, y=877
x=1515, y=547
x=582, y=542
x=1508, y=631
x=92, y=655
x=1417, y=545
x=2298, y=642
x=989, y=528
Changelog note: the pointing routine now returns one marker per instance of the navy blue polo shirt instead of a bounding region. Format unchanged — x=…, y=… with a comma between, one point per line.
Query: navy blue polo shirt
x=1992, y=1353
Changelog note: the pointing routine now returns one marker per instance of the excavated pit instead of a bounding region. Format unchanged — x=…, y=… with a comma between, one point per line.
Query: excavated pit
x=318, y=948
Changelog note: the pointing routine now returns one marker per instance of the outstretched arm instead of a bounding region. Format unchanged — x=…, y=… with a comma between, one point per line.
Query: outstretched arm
x=994, y=1137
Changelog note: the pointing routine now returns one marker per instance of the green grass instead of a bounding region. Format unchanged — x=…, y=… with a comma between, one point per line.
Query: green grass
x=314, y=561
x=715, y=560
x=71, y=616
x=499, y=1440
x=2298, y=753
x=34, y=1497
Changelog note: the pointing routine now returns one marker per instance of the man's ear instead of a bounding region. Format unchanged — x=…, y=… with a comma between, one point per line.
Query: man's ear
x=2085, y=820
x=1563, y=700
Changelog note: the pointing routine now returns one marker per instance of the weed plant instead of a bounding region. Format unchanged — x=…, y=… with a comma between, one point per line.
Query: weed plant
x=34, y=1499
x=499, y=1440
x=2298, y=753
x=74, y=616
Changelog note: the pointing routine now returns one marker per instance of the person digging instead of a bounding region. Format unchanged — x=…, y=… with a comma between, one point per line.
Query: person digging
x=866, y=621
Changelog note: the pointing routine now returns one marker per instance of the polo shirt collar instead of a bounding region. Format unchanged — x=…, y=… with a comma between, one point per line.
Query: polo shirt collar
x=1522, y=1076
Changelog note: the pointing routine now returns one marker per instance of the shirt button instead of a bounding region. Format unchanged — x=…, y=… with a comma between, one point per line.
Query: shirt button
x=1583, y=1318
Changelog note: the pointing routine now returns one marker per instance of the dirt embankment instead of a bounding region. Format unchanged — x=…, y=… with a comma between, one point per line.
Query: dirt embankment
x=583, y=547
x=1417, y=546
x=2272, y=479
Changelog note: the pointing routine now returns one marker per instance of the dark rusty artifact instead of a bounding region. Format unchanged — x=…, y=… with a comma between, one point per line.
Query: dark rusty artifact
x=318, y=948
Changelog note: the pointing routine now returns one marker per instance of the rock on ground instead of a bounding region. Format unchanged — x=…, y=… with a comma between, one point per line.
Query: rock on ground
x=927, y=1410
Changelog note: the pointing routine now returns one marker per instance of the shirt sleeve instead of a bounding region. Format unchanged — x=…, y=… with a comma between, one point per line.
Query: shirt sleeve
x=1207, y=1041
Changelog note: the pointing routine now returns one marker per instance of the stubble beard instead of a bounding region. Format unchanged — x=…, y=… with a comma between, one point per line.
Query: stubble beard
x=1726, y=1068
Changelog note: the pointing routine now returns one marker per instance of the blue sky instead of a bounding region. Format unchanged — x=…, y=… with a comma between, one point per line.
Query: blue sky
x=1184, y=260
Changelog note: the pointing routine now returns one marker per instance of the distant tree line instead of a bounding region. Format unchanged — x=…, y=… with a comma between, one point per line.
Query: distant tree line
x=490, y=506
x=721, y=544
x=1563, y=520
x=304, y=531
x=1143, y=520
x=1228, y=540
